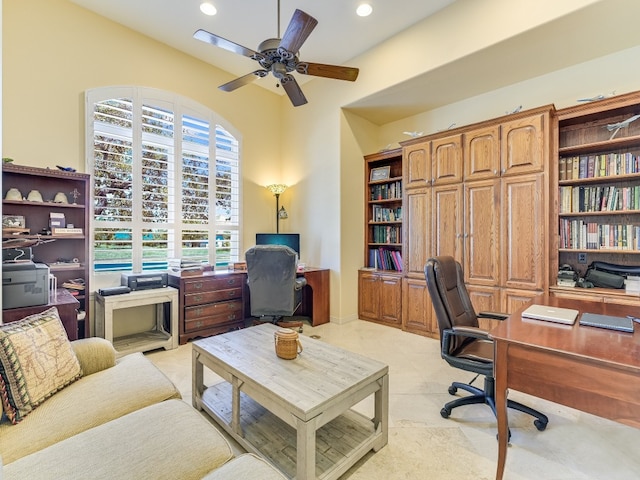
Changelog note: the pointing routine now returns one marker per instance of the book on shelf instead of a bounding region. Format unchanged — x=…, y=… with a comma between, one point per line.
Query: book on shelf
x=385, y=259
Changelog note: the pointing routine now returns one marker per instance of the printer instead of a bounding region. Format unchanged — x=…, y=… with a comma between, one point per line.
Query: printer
x=24, y=284
x=144, y=281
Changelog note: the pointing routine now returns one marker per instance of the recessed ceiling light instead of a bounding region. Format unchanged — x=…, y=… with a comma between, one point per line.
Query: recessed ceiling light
x=364, y=10
x=208, y=8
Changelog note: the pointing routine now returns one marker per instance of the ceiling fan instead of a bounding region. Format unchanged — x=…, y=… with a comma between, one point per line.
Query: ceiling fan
x=280, y=57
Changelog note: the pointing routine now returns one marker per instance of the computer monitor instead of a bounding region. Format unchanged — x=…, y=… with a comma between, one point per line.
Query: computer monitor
x=291, y=240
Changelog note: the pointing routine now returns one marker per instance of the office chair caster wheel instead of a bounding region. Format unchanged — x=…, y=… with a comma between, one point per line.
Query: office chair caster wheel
x=508, y=436
x=445, y=412
x=540, y=425
x=452, y=390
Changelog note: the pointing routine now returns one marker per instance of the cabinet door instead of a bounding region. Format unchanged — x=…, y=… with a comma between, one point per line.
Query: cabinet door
x=416, y=165
x=512, y=299
x=391, y=299
x=523, y=145
x=368, y=295
x=417, y=312
x=482, y=232
x=447, y=221
x=524, y=264
x=447, y=160
x=417, y=231
x=485, y=299
x=482, y=153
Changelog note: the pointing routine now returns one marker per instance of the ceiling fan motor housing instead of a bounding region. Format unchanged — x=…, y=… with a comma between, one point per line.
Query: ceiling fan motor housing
x=278, y=60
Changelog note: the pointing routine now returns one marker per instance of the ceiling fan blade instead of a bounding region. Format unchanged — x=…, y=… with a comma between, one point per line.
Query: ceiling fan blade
x=299, y=28
x=243, y=80
x=293, y=90
x=208, y=37
x=329, y=71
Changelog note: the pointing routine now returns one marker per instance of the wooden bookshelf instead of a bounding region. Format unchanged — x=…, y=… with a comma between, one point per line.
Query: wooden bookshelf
x=599, y=188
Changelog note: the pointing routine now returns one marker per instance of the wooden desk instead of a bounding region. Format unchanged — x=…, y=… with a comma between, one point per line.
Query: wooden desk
x=315, y=295
x=66, y=304
x=587, y=368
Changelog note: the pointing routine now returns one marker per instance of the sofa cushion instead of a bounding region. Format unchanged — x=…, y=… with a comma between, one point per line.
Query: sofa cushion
x=246, y=466
x=36, y=361
x=133, y=383
x=169, y=440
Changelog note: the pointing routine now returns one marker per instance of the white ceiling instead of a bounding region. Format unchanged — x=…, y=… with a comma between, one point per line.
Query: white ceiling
x=340, y=35
x=600, y=29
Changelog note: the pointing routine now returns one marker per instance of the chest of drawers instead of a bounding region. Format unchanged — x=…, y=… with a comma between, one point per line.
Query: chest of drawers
x=211, y=303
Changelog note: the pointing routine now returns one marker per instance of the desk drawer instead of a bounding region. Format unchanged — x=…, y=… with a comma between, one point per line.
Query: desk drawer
x=197, y=318
x=210, y=297
x=209, y=284
x=214, y=309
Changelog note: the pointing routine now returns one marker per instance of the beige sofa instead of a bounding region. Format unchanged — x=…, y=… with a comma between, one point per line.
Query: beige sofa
x=122, y=419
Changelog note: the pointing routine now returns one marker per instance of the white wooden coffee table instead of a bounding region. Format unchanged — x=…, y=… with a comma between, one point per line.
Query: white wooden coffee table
x=294, y=413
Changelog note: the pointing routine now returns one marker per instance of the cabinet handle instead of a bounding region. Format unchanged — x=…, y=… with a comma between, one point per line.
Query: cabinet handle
x=231, y=294
x=231, y=317
x=198, y=298
x=495, y=172
x=198, y=311
x=199, y=323
x=197, y=285
x=231, y=281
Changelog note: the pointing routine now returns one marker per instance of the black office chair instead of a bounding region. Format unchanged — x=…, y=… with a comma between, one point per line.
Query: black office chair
x=274, y=288
x=463, y=344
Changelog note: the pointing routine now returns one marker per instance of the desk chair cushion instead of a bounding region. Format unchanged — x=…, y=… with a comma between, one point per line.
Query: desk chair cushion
x=274, y=288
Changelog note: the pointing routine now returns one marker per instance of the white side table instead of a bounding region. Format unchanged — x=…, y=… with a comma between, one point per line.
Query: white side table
x=158, y=337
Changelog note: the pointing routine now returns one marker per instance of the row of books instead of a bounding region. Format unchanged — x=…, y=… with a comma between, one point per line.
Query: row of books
x=383, y=214
x=602, y=165
x=599, y=199
x=386, y=234
x=581, y=235
x=385, y=259
x=386, y=191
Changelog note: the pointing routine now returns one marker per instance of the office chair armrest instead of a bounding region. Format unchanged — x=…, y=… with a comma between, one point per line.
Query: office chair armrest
x=472, y=332
x=300, y=282
x=493, y=315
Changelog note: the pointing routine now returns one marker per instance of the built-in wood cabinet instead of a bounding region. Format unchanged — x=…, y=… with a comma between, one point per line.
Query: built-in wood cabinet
x=380, y=297
x=598, y=213
x=380, y=281
x=481, y=195
x=65, y=250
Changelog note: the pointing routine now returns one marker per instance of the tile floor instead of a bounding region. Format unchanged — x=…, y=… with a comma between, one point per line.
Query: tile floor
x=575, y=446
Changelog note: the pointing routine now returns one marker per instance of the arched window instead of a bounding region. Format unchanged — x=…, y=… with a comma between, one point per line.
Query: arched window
x=166, y=181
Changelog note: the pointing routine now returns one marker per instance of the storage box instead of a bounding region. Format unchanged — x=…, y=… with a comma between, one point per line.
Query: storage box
x=57, y=220
x=632, y=285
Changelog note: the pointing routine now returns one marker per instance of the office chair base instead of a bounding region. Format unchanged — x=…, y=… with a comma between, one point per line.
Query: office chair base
x=480, y=396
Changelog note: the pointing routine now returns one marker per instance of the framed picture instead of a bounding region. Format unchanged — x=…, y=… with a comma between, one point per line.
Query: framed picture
x=380, y=173
x=13, y=221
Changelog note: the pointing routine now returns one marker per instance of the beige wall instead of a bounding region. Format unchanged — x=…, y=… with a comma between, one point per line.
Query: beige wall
x=54, y=51
x=50, y=50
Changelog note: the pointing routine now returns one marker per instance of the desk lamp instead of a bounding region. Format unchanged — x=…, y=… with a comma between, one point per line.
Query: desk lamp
x=281, y=213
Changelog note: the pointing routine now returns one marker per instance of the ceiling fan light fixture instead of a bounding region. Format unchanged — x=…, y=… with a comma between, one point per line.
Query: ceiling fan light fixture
x=208, y=8
x=364, y=10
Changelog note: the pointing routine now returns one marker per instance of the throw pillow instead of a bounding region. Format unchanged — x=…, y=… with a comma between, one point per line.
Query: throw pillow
x=36, y=361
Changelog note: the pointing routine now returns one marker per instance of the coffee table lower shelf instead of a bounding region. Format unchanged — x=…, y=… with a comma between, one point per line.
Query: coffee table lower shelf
x=339, y=444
